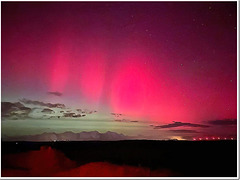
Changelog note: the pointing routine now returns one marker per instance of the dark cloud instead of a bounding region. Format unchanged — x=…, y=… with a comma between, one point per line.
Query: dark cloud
x=54, y=117
x=8, y=107
x=74, y=115
x=184, y=131
x=116, y=115
x=68, y=114
x=55, y=93
x=118, y=120
x=86, y=111
x=224, y=122
x=48, y=111
x=126, y=120
x=39, y=103
x=178, y=124
x=14, y=110
x=77, y=115
x=122, y=120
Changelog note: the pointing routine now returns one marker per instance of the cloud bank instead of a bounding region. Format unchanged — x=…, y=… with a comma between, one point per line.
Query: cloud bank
x=14, y=110
x=39, y=103
x=224, y=122
x=179, y=124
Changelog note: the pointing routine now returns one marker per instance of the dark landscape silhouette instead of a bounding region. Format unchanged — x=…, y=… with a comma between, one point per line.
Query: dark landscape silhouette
x=137, y=158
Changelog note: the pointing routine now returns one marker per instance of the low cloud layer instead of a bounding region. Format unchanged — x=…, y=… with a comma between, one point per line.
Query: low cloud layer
x=41, y=110
x=39, y=103
x=223, y=122
x=179, y=124
x=126, y=120
x=73, y=115
x=14, y=110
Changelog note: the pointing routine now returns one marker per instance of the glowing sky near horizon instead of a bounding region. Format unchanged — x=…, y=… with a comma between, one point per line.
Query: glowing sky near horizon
x=161, y=62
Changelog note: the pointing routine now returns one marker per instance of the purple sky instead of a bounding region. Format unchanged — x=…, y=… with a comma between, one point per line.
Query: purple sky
x=157, y=62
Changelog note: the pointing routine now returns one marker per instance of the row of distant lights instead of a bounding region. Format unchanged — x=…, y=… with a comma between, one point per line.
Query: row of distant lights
x=213, y=138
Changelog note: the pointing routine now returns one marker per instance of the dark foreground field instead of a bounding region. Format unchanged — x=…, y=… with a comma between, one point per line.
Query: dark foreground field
x=120, y=158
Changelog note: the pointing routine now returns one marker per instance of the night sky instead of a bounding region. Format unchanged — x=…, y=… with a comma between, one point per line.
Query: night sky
x=168, y=69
